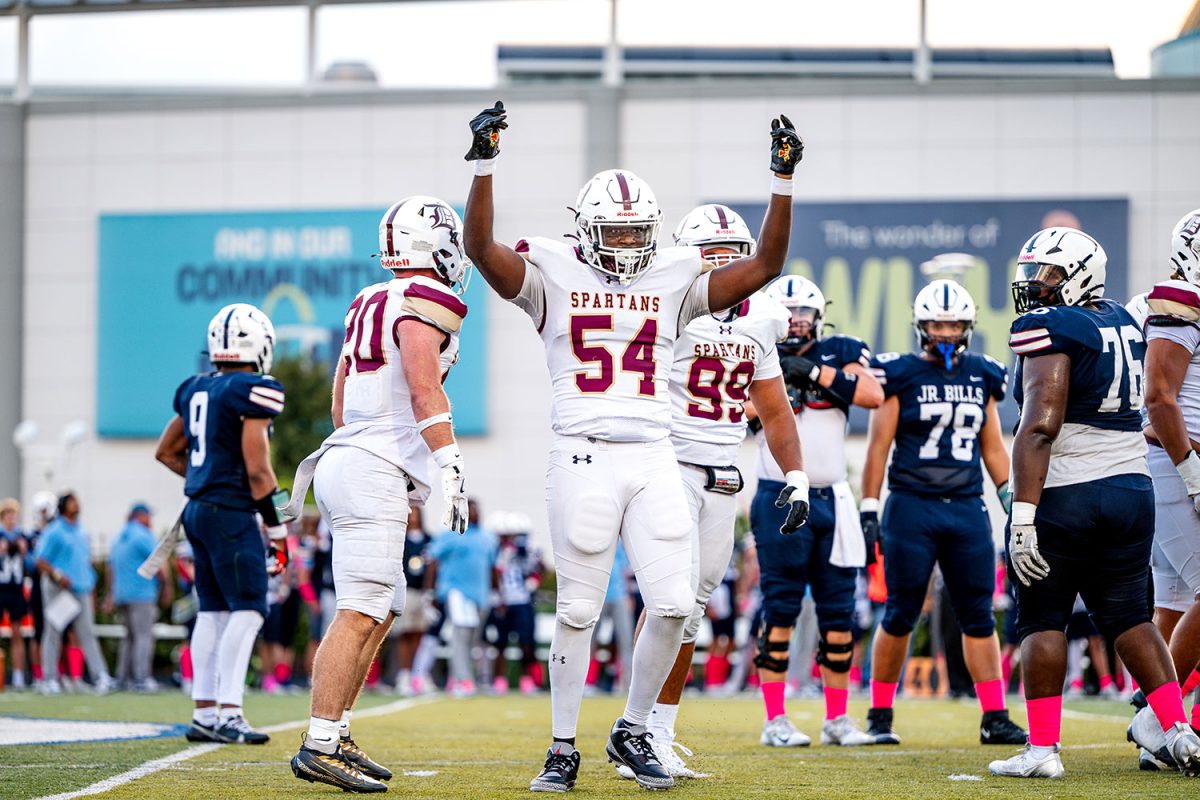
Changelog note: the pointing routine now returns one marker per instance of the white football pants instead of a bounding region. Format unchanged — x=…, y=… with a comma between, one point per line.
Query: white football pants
x=713, y=516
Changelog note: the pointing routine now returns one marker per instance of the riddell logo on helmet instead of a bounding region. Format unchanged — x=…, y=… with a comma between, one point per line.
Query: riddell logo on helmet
x=395, y=262
x=627, y=213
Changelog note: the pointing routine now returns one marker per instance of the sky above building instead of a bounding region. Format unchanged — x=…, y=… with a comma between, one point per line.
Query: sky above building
x=453, y=44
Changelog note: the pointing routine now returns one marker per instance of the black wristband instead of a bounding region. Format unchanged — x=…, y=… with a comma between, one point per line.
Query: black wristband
x=266, y=507
x=843, y=386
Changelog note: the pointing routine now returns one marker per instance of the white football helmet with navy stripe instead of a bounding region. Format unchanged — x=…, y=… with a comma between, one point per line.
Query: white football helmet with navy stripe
x=796, y=291
x=1059, y=266
x=617, y=218
x=943, y=301
x=241, y=334
x=715, y=225
x=422, y=232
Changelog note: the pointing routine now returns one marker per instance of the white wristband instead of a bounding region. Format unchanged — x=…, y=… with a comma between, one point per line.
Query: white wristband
x=779, y=185
x=1189, y=470
x=869, y=505
x=434, y=420
x=277, y=532
x=797, y=478
x=1023, y=513
x=448, y=455
x=485, y=166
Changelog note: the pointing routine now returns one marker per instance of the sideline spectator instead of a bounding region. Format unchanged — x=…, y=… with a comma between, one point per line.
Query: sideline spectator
x=44, y=505
x=14, y=550
x=137, y=599
x=406, y=633
x=64, y=559
x=517, y=575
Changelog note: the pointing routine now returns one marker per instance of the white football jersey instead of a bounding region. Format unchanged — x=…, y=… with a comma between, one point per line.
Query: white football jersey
x=716, y=359
x=1174, y=316
x=610, y=347
x=377, y=404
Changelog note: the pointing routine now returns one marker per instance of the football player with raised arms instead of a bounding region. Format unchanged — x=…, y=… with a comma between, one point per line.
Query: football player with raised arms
x=390, y=415
x=721, y=361
x=825, y=375
x=1172, y=428
x=609, y=310
x=941, y=414
x=1082, y=517
x=219, y=441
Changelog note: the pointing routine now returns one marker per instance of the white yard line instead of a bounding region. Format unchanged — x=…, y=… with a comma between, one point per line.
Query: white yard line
x=159, y=764
x=1069, y=713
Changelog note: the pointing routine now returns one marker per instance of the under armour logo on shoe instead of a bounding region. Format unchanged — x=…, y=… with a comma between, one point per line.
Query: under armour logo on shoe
x=725, y=329
x=581, y=459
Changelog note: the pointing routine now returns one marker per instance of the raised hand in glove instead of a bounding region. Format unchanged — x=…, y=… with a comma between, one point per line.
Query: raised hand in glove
x=869, y=519
x=485, y=133
x=794, y=495
x=787, y=148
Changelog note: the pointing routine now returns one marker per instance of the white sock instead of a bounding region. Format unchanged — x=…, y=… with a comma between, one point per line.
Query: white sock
x=210, y=626
x=229, y=712
x=205, y=716
x=344, y=725
x=233, y=656
x=322, y=735
x=1040, y=751
x=662, y=717
x=570, y=651
x=653, y=657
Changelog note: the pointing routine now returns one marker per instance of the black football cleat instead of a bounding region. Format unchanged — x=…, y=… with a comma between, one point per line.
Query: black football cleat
x=997, y=728
x=199, y=732
x=366, y=765
x=629, y=747
x=560, y=772
x=317, y=767
x=238, y=731
x=879, y=726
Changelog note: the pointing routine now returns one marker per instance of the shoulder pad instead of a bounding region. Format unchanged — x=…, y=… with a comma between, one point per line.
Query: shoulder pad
x=1178, y=299
x=433, y=304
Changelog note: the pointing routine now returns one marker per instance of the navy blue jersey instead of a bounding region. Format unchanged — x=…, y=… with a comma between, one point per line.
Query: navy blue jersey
x=213, y=407
x=1107, y=352
x=833, y=351
x=941, y=413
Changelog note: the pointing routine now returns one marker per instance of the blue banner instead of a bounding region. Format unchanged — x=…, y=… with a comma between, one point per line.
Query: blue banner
x=164, y=276
x=866, y=257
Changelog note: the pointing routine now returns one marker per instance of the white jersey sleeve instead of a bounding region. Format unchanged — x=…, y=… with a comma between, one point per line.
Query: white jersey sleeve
x=695, y=304
x=609, y=346
x=1175, y=317
x=377, y=401
x=532, y=297
x=716, y=360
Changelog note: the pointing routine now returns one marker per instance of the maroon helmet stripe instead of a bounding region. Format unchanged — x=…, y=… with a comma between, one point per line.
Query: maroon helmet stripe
x=625, y=198
x=391, y=216
x=721, y=217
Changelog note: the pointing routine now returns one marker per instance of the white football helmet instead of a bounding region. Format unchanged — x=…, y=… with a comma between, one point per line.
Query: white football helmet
x=1138, y=308
x=617, y=219
x=1185, y=247
x=715, y=225
x=422, y=232
x=796, y=292
x=1059, y=266
x=241, y=334
x=943, y=301
x=45, y=505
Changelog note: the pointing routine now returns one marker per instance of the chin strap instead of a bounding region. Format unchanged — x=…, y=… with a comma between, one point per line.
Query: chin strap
x=947, y=351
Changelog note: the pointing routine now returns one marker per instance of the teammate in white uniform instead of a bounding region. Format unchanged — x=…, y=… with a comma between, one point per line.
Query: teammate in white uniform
x=389, y=414
x=826, y=375
x=1173, y=431
x=720, y=360
x=609, y=311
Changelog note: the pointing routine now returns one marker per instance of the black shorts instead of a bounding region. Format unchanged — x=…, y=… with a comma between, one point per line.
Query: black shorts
x=12, y=601
x=1096, y=537
x=282, y=621
x=517, y=619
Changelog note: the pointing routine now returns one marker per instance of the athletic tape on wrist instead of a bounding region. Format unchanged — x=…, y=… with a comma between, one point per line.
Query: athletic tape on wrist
x=434, y=420
x=797, y=478
x=1189, y=470
x=485, y=166
x=869, y=505
x=447, y=456
x=1023, y=513
x=779, y=185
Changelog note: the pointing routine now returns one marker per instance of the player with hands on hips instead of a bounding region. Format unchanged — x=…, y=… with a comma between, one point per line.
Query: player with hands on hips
x=1083, y=513
x=219, y=441
x=391, y=416
x=609, y=309
x=941, y=414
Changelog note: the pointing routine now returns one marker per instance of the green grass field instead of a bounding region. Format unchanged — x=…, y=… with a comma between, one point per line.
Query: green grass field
x=490, y=747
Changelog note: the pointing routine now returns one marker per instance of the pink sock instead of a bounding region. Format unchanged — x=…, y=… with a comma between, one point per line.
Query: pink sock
x=75, y=663
x=1006, y=665
x=1191, y=683
x=991, y=695
x=1105, y=682
x=185, y=662
x=835, y=702
x=772, y=692
x=1167, y=703
x=1045, y=720
x=856, y=676
x=883, y=694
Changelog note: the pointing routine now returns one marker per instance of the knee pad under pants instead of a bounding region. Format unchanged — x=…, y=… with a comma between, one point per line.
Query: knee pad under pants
x=921, y=530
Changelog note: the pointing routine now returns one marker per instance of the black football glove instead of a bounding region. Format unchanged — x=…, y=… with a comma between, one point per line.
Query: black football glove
x=787, y=148
x=795, y=497
x=485, y=132
x=799, y=371
x=870, y=529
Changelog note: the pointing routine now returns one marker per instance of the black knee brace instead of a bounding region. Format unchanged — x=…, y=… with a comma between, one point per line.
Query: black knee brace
x=825, y=647
x=764, y=659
